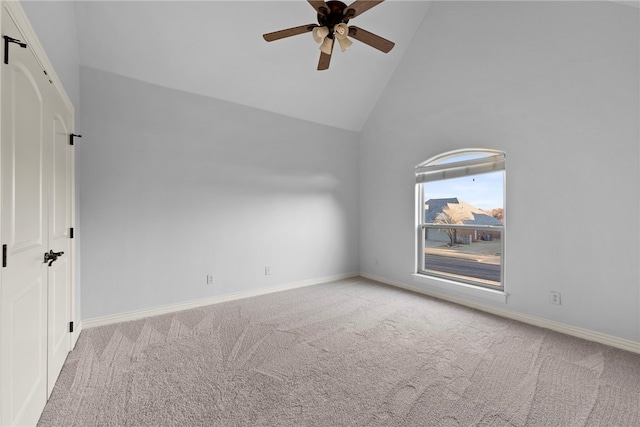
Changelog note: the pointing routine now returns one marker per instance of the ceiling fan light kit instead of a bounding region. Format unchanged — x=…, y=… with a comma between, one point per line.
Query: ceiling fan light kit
x=327, y=46
x=333, y=17
x=341, y=31
x=319, y=34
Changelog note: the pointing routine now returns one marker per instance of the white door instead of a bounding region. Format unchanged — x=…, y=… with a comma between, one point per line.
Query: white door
x=57, y=129
x=35, y=173
x=25, y=234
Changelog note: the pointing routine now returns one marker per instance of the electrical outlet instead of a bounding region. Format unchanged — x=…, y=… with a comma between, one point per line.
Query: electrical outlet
x=267, y=271
x=554, y=297
x=210, y=279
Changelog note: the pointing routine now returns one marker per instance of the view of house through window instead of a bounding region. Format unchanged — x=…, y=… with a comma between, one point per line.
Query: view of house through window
x=461, y=217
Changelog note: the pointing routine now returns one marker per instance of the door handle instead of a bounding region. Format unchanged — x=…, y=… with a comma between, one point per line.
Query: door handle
x=50, y=257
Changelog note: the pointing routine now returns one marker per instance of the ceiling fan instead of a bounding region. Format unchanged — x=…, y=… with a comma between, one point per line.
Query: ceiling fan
x=333, y=17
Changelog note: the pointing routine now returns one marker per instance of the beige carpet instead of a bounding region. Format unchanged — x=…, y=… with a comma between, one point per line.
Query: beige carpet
x=352, y=352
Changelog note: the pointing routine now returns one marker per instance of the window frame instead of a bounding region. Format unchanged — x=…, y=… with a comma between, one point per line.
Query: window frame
x=434, y=167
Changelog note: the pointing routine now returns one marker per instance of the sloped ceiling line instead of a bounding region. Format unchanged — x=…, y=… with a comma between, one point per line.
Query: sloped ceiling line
x=216, y=49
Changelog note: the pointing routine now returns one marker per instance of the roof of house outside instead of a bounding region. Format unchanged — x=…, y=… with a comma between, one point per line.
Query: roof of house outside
x=469, y=214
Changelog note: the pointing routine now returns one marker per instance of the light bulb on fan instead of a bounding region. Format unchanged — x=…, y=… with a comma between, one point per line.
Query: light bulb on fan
x=341, y=31
x=319, y=34
x=327, y=45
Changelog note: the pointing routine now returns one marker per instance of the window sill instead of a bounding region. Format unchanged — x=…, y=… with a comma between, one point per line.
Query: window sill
x=457, y=289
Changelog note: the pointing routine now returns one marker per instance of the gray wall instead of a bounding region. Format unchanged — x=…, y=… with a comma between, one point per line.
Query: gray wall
x=174, y=186
x=554, y=85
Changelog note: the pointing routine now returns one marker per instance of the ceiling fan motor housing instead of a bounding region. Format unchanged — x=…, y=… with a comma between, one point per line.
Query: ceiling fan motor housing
x=334, y=16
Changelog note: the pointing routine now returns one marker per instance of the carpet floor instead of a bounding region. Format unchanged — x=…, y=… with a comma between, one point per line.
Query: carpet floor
x=347, y=353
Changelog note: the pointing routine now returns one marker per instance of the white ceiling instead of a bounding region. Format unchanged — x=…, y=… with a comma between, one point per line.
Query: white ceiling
x=216, y=49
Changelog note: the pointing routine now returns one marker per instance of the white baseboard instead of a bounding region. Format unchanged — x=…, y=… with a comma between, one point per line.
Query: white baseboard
x=77, y=328
x=586, y=334
x=610, y=340
x=171, y=308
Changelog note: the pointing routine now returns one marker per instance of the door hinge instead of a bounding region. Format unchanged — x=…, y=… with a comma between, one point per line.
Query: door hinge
x=70, y=326
x=71, y=233
x=72, y=136
x=4, y=255
x=8, y=40
x=47, y=74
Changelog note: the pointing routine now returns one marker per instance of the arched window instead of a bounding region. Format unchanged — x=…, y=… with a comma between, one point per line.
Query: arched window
x=461, y=218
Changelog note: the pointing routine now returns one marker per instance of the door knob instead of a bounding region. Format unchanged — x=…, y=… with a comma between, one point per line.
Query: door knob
x=51, y=256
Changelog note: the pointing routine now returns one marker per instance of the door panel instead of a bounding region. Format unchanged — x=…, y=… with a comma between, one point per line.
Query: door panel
x=26, y=312
x=61, y=170
x=23, y=297
x=58, y=119
x=27, y=156
x=57, y=319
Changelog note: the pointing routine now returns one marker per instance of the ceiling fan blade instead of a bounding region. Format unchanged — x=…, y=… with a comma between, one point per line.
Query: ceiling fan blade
x=371, y=39
x=325, y=60
x=359, y=6
x=319, y=6
x=277, y=35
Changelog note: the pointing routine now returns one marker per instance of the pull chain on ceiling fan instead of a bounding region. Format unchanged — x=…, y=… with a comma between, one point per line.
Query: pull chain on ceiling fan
x=333, y=17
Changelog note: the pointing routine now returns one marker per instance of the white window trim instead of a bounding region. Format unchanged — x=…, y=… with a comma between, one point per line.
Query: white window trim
x=441, y=284
x=451, y=287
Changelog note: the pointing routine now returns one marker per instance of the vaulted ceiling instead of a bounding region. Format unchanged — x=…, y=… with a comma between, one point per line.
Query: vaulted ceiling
x=216, y=49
